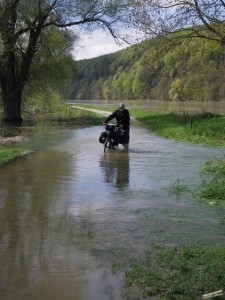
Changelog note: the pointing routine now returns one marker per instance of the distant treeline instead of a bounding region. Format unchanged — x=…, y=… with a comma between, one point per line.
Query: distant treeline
x=156, y=69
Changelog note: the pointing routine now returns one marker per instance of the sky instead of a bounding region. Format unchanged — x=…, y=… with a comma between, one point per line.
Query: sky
x=99, y=43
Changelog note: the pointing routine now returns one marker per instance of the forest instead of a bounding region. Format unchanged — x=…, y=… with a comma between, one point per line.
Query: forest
x=158, y=69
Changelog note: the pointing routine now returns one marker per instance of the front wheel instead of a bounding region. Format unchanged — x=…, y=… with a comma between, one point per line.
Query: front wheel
x=107, y=143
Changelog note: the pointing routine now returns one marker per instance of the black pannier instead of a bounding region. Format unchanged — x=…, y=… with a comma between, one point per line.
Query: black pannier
x=103, y=137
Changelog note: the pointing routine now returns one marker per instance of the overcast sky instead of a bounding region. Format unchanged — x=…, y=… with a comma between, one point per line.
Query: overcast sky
x=95, y=45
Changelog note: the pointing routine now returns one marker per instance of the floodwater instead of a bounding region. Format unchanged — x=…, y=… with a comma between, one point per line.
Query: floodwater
x=70, y=212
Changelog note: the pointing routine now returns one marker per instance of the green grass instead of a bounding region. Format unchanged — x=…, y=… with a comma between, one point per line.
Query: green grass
x=179, y=273
x=215, y=166
x=9, y=154
x=204, y=129
x=178, y=187
x=212, y=189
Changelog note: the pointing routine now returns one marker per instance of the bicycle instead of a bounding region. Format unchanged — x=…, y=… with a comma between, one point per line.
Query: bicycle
x=111, y=137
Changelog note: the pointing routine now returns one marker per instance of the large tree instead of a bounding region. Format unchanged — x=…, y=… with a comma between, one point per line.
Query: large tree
x=22, y=22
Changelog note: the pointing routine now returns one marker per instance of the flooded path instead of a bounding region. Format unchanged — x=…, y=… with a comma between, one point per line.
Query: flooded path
x=70, y=211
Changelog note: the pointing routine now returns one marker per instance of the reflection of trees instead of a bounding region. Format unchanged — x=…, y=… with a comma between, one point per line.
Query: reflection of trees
x=116, y=168
x=35, y=232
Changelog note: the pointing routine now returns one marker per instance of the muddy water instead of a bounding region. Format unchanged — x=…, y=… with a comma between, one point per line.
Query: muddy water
x=69, y=212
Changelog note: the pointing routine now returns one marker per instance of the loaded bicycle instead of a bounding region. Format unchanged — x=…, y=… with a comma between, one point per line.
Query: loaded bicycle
x=111, y=137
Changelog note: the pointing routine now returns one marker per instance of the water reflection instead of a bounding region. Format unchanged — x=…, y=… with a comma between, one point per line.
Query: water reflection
x=31, y=220
x=67, y=211
x=116, y=168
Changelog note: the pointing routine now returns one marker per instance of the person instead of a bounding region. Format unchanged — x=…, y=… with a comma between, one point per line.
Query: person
x=122, y=116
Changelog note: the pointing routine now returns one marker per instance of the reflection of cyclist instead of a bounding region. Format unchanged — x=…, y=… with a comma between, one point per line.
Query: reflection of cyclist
x=116, y=169
x=122, y=116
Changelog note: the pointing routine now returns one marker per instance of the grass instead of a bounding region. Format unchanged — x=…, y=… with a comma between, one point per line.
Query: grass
x=178, y=273
x=206, y=129
x=9, y=154
x=178, y=187
x=212, y=189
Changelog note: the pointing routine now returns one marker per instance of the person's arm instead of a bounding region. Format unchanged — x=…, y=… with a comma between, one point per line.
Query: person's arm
x=110, y=117
x=127, y=117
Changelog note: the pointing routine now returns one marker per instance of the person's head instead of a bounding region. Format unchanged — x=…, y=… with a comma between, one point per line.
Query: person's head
x=121, y=106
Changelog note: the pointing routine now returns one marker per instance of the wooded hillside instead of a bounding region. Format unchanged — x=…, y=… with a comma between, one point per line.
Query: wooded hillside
x=156, y=69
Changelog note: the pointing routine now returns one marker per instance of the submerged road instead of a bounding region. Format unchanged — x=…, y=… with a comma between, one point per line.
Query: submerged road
x=69, y=212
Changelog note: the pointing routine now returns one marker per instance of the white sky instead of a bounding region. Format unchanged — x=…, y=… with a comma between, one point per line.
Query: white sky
x=99, y=43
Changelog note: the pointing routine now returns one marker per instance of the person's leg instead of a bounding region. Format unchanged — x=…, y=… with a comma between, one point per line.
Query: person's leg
x=126, y=147
x=126, y=139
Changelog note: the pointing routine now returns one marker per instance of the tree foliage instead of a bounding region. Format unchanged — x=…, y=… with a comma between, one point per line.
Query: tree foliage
x=51, y=70
x=155, y=69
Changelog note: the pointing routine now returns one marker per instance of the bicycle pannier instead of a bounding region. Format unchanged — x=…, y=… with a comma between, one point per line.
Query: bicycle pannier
x=103, y=137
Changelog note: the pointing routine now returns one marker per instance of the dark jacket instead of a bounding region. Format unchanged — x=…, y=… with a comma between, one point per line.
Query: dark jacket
x=122, y=118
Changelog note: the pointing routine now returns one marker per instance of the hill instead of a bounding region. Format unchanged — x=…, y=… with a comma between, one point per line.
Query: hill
x=155, y=69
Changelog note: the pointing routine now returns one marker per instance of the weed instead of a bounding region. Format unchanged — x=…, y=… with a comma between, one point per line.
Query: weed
x=212, y=189
x=215, y=166
x=178, y=187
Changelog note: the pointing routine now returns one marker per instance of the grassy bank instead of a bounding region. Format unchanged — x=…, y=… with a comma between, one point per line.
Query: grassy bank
x=206, y=129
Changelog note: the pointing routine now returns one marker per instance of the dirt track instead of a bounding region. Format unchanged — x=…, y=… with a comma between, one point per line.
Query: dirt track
x=100, y=112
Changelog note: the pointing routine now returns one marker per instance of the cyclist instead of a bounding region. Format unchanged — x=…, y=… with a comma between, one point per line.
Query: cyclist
x=122, y=116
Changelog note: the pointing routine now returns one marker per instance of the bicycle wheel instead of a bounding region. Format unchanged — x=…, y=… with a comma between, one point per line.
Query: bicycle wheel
x=107, y=143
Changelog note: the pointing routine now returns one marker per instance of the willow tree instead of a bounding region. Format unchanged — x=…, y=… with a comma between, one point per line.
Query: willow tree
x=22, y=22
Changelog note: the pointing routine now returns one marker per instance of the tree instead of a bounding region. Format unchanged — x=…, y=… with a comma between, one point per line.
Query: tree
x=175, y=92
x=23, y=22
x=52, y=68
x=194, y=18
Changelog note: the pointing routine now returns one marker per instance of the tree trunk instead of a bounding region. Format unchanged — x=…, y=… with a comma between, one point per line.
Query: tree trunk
x=11, y=97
